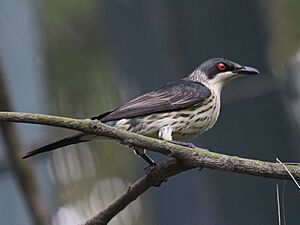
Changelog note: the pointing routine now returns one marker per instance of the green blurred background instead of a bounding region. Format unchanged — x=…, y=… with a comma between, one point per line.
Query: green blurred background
x=81, y=58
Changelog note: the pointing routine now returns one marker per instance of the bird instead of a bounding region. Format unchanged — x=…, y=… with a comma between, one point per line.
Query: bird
x=175, y=112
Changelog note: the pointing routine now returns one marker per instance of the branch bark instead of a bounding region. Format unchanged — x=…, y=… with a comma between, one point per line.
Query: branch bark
x=186, y=158
x=161, y=172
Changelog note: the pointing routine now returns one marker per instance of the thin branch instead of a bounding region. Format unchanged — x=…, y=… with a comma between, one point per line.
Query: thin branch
x=159, y=174
x=287, y=170
x=278, y=204
x=187, y=158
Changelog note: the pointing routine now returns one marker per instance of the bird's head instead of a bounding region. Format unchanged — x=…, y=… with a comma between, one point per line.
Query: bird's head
x=217, y=72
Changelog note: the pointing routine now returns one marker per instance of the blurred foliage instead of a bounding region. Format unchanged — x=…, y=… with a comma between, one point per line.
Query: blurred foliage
x=79, y=61
x=284, y=20
x=82, y=77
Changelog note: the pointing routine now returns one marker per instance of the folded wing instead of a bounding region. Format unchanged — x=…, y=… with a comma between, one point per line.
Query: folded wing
x=171, y=97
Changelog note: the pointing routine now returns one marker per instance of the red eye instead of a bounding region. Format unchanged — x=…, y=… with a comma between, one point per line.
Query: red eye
x=221, y=67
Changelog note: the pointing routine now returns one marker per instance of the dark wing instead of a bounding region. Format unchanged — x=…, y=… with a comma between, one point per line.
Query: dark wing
x=173, y=96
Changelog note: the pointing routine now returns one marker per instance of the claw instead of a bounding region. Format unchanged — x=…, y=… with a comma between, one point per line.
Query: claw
x=148, y=169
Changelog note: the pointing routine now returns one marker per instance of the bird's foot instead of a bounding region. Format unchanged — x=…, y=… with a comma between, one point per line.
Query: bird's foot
x=148, y=171
x=183, y=143
x=152, y=165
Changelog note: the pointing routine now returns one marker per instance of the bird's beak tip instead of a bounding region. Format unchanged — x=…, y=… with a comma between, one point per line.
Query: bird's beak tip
x=247, y=70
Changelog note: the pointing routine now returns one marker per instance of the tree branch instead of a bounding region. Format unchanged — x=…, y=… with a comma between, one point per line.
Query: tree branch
x=161, y=172
x=195, y=157
x=187, y=158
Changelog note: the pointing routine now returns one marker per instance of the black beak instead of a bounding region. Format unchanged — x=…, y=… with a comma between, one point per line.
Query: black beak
x=246, y=70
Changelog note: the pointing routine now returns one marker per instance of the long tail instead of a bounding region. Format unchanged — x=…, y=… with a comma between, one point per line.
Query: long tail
x=74, y=139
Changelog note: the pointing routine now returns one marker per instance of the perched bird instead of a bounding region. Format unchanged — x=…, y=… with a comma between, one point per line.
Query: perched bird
x=175, y=112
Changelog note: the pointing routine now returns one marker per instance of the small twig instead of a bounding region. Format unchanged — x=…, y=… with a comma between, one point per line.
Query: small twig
x=287, y=170
x=278, y=204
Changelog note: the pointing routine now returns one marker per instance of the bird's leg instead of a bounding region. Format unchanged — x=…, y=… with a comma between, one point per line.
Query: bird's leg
x=142, y=153
x=183, y=143
x=148, y=169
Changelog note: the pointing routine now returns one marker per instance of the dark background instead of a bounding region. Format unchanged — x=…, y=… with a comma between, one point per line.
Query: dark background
x=81, y=58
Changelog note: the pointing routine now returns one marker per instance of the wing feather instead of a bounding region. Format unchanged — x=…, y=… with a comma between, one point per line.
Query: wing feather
x=173, y=96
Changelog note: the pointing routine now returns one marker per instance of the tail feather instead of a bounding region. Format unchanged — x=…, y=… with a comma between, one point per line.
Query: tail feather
x=77, y=138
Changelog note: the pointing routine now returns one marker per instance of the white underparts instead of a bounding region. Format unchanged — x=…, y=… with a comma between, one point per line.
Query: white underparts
x=165, y=133
x=122, y=122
